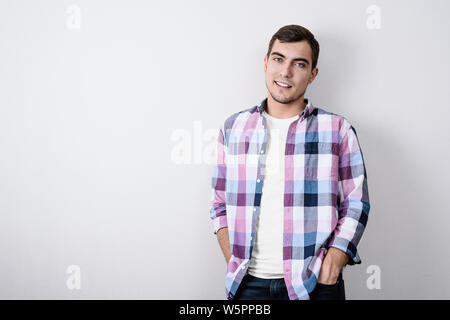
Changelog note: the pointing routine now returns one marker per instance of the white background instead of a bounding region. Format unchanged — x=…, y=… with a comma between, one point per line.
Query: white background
x=88, y=118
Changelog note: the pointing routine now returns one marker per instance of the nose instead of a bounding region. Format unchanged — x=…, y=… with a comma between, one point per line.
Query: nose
x=286, y=71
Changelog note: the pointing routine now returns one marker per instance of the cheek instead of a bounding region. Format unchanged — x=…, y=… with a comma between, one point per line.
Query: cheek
x=272, y=70
x=271, y=76
x=303, y=80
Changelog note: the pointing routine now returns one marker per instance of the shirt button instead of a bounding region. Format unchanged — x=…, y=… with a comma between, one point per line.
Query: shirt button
x=251, y=238
x=258, y=181
x=243, y=267
x=262, y=151
x=254, y=209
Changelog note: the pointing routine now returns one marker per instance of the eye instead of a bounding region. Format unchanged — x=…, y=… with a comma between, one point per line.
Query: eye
x=276, y=59
x=301, y=64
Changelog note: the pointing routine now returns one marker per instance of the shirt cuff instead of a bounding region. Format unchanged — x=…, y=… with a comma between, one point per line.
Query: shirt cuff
x=348, y=248
x=219, y=223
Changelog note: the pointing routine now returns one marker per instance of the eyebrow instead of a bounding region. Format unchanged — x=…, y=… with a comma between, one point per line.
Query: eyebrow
x=296, y=59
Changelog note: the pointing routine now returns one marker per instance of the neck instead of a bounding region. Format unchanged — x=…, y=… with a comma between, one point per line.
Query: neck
x=285, y=110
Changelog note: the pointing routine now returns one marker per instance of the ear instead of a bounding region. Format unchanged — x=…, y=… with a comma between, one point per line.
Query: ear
x=314, y=73
x=265, y=63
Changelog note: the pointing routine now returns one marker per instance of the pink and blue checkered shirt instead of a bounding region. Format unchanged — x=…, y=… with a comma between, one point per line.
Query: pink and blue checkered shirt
x=326, y=199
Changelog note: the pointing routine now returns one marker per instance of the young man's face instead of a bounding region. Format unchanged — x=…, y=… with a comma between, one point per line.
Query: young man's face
x=290, y=64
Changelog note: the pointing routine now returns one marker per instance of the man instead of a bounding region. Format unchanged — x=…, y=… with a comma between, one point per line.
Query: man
x=290, y=198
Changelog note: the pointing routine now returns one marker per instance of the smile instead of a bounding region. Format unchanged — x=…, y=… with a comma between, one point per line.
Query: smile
x=282, y=84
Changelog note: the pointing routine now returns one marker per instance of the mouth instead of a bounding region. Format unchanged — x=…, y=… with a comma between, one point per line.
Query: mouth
x=282, y=85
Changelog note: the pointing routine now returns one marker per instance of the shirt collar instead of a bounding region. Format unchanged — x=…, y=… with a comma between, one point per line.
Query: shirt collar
x=307, y=111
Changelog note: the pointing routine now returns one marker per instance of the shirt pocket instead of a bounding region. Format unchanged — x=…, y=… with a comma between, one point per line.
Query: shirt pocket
x=321, y=161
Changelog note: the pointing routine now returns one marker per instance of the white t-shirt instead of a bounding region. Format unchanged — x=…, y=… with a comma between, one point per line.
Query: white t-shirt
x=267, y=254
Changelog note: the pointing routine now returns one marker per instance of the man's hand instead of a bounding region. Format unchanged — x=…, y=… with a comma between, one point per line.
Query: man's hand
x=332, y=265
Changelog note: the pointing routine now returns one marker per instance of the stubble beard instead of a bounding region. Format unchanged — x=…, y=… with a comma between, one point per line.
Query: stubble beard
x=287, y=100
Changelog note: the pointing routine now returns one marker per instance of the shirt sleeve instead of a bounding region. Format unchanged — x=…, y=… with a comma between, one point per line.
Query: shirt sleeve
x=353, y=197
x=218, y=196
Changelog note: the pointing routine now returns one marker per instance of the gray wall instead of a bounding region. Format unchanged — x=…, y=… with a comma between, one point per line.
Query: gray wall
x=109, y=112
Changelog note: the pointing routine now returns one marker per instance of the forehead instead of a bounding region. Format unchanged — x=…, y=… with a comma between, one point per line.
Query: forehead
x=292, y=50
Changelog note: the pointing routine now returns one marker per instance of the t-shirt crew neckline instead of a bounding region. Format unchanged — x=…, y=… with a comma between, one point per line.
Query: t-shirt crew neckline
x=279, y=119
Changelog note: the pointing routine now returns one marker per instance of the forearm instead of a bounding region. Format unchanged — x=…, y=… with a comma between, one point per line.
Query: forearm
x=224, y=242
x=332, y=265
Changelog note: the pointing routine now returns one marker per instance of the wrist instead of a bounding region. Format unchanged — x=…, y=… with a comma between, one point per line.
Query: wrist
x=332, y=265
x=329, y=270
x=336, y=258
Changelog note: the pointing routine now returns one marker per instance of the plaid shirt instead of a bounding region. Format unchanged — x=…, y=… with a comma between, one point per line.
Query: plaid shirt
x=326, y=199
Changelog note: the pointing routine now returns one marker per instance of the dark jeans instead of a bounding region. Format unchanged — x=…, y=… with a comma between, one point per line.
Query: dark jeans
x=329, y=291
x=253, y=288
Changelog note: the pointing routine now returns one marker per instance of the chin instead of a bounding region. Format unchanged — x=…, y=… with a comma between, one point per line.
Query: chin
x=284, y=100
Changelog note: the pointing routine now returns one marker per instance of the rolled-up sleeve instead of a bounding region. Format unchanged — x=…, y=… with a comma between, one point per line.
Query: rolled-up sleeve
x=353, y=197
x=218, y=196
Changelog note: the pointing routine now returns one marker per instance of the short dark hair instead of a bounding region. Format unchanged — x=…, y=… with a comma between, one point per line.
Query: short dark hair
x=294, y=33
